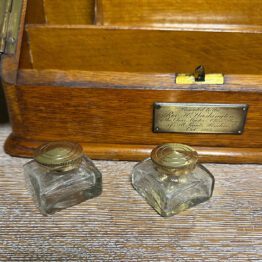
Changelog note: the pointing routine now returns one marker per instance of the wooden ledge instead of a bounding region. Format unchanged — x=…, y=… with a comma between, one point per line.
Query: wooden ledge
x=17, y=146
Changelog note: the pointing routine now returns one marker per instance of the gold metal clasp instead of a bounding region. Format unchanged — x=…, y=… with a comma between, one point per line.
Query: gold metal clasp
x=199, y=77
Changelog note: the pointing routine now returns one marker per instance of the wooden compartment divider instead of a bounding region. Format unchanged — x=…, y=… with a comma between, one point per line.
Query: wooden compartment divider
x=168, y=13
x=141, y=50
x=60, y=12
x=69, y=11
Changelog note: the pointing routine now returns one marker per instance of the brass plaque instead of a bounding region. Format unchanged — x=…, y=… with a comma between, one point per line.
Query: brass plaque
x=199, y=118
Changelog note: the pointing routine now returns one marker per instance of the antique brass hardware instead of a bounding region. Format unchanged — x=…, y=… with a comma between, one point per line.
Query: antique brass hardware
x=199, y=118
x=10, y=13
x=199, y=77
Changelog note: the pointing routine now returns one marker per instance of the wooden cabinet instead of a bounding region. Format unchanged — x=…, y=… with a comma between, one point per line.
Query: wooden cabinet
x=91, y=71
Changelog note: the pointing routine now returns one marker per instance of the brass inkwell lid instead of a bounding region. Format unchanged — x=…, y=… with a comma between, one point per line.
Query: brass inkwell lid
x=59, y=156
x=174, y=159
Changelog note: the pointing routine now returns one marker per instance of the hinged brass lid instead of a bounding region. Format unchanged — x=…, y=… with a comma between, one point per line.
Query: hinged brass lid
x=10, y=13
x=174, y=159
x=60, y=156
x=199, y=77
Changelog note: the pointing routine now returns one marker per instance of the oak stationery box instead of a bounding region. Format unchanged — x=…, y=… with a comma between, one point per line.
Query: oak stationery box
x=119, y=76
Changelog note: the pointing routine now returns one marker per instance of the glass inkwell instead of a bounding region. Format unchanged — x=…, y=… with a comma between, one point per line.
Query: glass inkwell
x=61, y=176
x=171, y=180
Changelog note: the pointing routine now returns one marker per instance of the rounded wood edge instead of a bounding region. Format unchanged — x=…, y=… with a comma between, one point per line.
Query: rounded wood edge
x=21, y=147
x=16, y=147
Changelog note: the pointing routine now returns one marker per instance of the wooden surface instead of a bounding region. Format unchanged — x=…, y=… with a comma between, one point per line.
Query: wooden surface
x=25, y=60
x=17, y=146
x=69, y=11
x=110, y=113
x=157, y=81
x=166, y=13
x=141, y=50
x=60, y=12
x=35, y=13
x=120, y=226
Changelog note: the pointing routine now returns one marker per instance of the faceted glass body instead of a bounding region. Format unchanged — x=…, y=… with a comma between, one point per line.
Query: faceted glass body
x=169, y=194
x=56, y=190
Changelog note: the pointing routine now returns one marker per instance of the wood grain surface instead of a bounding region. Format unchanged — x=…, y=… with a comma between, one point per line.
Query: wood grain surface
x=25, y=60
x=157, y=81
x=166, y=13
x=112, y=115
x=17, y=146
x=35, y=13
x=95, y=48
x=60, y=12
x=120, y=226
x=69, y=11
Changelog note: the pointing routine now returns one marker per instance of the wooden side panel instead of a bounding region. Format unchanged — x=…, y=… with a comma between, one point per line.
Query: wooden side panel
x=120, y=116
x=109, y=49
x=14, y=109
x=69, y=11
x=3, y=108
x=169, y=12
x=25, y=57
x=35, y=13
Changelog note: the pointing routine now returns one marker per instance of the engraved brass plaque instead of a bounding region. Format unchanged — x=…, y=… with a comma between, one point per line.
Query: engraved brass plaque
x=199, y=118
